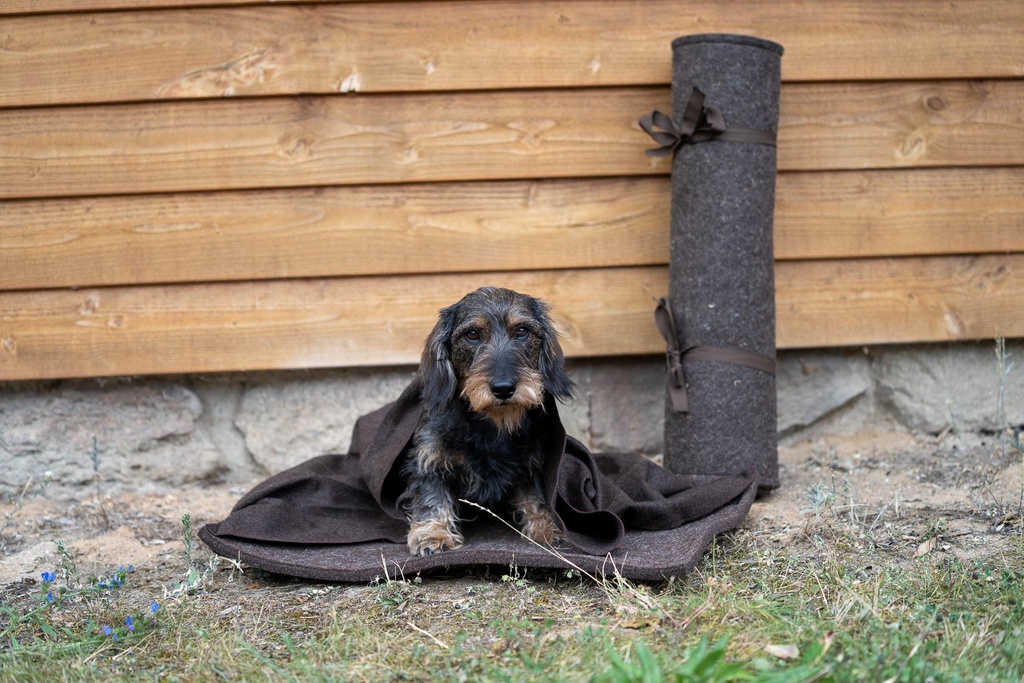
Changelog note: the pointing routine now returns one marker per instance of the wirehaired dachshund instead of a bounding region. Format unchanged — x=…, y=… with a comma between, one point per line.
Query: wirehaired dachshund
x=486, y=369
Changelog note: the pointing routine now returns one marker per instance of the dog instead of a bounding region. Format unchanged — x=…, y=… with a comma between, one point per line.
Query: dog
x=486, y=369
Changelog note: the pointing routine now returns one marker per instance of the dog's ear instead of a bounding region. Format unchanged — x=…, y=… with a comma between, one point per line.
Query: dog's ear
x=436, y=364
x=552, y=359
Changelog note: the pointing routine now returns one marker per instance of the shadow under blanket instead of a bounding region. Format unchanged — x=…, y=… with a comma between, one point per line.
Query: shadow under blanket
x=334, y=517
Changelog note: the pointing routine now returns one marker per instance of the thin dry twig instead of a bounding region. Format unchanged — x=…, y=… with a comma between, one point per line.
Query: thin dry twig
x=428, y=634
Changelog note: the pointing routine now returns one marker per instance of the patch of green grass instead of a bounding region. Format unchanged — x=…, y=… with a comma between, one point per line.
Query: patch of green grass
x=68, y=625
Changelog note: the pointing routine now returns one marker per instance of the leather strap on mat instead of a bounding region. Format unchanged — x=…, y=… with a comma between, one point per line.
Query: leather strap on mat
x=716, y=354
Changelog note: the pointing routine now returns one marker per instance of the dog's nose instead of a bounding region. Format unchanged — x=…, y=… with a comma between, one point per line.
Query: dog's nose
x=503, y=389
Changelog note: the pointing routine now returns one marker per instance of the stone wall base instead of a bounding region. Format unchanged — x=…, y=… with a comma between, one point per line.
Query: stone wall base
x=169, y=431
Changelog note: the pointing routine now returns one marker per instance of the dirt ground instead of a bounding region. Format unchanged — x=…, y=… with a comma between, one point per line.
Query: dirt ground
x=907, y=495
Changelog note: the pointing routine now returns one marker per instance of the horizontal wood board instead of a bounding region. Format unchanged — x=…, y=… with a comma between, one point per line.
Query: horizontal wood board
x=219, y=145
x=484, y=226
x=32, y=7
x=474, y=45
x=378, y=321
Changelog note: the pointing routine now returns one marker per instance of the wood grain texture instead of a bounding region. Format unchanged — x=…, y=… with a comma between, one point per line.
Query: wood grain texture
x=473, y=45
x=287, y=324
x=905, y=212
x=219, y=145
x=383, y=321
x=891, y=301
x=518, y=225
x=875, y=125
x=323, y=141
x=31, y=7
x=484, y=226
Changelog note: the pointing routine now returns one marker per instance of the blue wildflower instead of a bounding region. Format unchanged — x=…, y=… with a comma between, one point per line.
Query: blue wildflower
x=153, y=607
x=49, y=577
x=107, y=630
x=49, y=597
x=130, y=623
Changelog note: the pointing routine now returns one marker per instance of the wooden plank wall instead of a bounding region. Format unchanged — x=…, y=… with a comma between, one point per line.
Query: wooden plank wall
x=193, y=185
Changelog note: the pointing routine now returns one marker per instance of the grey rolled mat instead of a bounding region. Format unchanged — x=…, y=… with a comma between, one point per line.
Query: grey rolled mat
x=719, y=317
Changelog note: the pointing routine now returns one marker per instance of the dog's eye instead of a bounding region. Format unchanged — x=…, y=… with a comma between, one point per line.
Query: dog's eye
x=472, y=334
x=521, y=332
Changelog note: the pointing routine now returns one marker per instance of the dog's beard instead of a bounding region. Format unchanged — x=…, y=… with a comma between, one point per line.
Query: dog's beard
x=506, y=414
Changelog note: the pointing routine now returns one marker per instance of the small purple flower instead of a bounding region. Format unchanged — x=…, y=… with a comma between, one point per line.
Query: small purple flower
x=130, y=623
x=107, y=630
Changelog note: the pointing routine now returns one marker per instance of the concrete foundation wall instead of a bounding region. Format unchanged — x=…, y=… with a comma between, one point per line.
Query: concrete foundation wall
x=167, y=431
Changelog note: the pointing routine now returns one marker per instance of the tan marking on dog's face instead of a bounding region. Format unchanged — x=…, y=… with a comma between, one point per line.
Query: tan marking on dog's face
x=477, y=328
x=508, y=414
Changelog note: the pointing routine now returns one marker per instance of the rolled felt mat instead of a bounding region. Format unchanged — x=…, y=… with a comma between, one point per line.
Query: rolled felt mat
x=719, y=317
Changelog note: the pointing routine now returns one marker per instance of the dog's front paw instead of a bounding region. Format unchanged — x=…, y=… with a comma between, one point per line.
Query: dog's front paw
x=432, y=536
x=539, y=526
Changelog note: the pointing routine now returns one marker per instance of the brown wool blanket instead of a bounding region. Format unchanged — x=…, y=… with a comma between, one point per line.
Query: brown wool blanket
x=334, y=517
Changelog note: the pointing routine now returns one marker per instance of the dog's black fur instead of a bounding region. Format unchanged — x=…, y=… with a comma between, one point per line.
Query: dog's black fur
x=487, y=366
